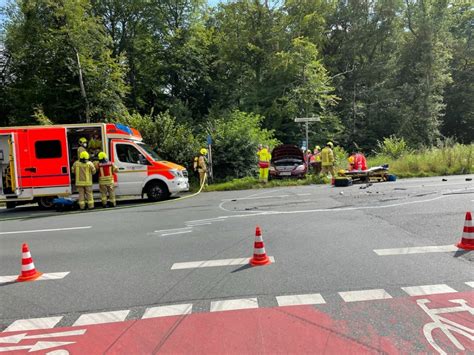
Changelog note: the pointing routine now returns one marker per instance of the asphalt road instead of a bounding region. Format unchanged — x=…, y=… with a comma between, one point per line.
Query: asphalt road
x=322, y=238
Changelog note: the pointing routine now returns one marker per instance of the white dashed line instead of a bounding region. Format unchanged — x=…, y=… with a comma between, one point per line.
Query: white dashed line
x=303, y=194
x=101, y=318
x=212, y=263
x=428, y=290
x=166, y=311
x=174, y=233
x=44, y=277
x=172, y=230
x=416, y=250
x=46, y=230
x=296, y=300
x=470, y=284
x=230, y=305
x=32, y=324
x=364, y=295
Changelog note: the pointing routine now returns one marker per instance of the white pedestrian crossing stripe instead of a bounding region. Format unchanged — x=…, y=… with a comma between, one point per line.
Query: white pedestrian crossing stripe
x=364, y=295
x=101, y=318
x=428, y=290
x=231, y=305
x=296, y=300
x=213, y=263
x=166, y=311
x=417, y=250
x=32, y=324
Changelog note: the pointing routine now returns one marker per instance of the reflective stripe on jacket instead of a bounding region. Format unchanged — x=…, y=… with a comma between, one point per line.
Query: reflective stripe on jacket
x=83, y=172
x=327, y=156
x=106, y=172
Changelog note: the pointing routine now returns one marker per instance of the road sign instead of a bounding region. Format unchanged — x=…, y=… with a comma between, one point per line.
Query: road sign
x=307, y=119
x=209, y=139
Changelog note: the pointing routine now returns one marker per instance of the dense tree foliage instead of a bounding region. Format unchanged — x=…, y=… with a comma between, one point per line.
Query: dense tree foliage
x=368, y=68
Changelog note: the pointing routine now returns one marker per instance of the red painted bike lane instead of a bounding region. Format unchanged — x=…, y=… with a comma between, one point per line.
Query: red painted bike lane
x=435, y=324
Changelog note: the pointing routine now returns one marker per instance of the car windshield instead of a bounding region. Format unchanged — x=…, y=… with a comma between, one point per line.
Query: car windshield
x=150, y=151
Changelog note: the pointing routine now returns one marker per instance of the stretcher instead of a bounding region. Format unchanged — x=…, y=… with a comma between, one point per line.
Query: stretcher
x=374, y=174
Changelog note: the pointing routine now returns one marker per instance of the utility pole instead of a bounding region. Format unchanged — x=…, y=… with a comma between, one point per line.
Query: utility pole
x=83, y=90
x=307, y=120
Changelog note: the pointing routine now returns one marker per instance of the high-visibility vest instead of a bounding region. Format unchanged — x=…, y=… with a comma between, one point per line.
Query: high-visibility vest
x=83, y=173
x=327, y=156
x=95, y=144
x=106, y=173
x=264, y=155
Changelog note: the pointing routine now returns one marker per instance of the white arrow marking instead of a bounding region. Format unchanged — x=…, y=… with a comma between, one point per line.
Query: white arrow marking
x=41, y=345
x=15, y=339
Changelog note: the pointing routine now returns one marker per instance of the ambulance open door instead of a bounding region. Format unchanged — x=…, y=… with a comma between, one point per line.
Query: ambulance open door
x=8, y=166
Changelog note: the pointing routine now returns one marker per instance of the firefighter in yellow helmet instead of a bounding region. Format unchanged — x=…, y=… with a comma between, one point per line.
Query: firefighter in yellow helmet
x=82, y=147
x=264, y=158
x=106, y=170
x=95, y=144
x=200, y=164
x=327, y=160
x=83, y=170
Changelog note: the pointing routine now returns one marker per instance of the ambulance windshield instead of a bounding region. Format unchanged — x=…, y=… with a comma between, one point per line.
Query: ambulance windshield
x=150, y=151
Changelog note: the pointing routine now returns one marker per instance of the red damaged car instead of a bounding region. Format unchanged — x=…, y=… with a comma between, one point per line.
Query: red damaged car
x=287, y=161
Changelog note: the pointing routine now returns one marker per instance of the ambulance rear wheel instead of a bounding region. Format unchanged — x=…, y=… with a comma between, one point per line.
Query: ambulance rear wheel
x=157, y=191
x=45, y=203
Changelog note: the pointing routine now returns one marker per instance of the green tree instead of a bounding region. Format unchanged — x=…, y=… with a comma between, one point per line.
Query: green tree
x=51, y=45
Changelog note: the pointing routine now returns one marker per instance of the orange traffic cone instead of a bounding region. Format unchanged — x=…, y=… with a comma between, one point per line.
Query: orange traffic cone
x=28, y=271
x=259, y=255
x=467, y=240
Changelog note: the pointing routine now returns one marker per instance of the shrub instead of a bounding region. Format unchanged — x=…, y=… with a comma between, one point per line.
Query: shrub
x=235, y=140
x=392, y=147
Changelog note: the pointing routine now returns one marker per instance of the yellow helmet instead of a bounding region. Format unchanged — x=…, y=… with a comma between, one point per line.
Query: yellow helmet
x=102, y=156
x=203, y=151
x=350, y=159
x=330, y=144
x=341, y=172
x=318, y=147
x=82, y=140
x=84, y=155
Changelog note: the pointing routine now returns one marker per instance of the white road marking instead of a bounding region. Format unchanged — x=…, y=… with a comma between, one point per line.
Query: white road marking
x=470, y=284
x=182, y=232
x=199, y=224
x=15, y=339
x=296, y=300
x=40, y=345
x=172, y=230
x=428, y=290
x=212, y=263
x=417, y=250
x=46, y=230
x=230, y=305
x=364, y=295
x=166, y=311
x=32, y=324
x=303, y=194
x=44, y=277
x=254, y=198
x=101, y=318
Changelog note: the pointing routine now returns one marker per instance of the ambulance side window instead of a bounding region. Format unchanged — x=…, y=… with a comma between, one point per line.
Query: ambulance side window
x=127, y=153
x=48, y=149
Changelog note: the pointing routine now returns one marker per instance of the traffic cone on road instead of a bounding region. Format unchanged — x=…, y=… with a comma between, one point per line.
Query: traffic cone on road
x=28, y=270
x=467, y=240
x=259, y=255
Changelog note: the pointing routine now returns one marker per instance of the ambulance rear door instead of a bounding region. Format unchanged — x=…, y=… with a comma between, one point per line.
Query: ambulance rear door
x=9, y=184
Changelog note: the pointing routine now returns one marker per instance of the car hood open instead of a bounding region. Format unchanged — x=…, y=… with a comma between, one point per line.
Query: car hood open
x=287, y=151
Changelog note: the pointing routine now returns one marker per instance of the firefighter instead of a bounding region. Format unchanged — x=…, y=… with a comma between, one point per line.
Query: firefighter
x=83, y=169
x=95, y=144
x=327, y=160
x=264, y=158
x=317, y=160
x=82, y=147
x=106, y=170
x=202, y=165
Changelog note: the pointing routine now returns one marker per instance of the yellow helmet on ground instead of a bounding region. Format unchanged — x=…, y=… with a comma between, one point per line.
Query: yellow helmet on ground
x=330, y=144
x=102, y=156
x=203, y=151
x=84, y=155
x=82, y=140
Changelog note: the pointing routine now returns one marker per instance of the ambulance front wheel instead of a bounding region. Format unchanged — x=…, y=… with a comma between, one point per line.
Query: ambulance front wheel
x=45, y=203
x=156, y=191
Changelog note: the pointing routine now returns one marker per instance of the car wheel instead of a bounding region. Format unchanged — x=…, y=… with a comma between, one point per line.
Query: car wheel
x=45, y=203
x=157, y=191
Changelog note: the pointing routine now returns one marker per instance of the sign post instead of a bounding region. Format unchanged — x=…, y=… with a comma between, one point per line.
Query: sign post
x=306, y=120
x=209, y=145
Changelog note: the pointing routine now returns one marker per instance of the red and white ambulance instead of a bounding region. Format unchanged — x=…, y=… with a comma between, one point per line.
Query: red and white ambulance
x=35, y=163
